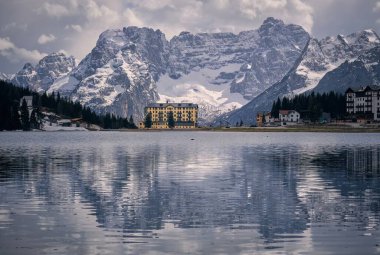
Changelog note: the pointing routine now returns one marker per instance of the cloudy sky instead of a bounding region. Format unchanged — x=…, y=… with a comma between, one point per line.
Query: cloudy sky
x=30, y=29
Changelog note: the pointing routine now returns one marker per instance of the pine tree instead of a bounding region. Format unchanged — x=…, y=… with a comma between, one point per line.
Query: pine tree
x=132, y=123
x=15, y=123
x=148, y=120
x=33, y=120
x=131, y=120
x=25, y=124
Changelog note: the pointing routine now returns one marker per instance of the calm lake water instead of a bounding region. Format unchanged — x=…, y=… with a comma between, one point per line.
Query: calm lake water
x=189, y=193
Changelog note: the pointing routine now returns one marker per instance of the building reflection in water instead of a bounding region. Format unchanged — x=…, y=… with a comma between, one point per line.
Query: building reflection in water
x=278, y=191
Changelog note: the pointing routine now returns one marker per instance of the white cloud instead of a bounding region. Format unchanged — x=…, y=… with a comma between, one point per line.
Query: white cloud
x=132, y=19
x=43, y=39
x=302, y=14
x=55, y=10
x=77, y=28
x=5, y=44
x=174, y=16
x=376, y=8
x=14, y=25
x=18, y=55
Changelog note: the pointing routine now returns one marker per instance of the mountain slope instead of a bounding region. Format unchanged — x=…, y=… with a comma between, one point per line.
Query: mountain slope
x=4, y=77
x=363, y=71
x=318, y=59
x=119, y=75
x=223, y=71
x=129, y=68
x=42, y=76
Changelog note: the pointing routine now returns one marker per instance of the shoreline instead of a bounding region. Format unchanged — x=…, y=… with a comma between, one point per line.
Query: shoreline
x=315, y=129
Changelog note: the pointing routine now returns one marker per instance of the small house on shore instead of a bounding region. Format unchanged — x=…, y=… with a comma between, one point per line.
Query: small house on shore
x=289, y=116
x=263, y=118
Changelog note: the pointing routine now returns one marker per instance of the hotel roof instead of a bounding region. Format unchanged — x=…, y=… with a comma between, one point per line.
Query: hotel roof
x=177, y=105
x=363, y=89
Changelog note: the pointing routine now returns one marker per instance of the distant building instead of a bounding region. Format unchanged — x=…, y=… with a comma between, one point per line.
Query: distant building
x=364, y=102
x=291, y=116
x=64, y=123
x=263, y=118
x=185, y=115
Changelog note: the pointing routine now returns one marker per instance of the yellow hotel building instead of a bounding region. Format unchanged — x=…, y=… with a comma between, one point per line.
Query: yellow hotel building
x=185, y=115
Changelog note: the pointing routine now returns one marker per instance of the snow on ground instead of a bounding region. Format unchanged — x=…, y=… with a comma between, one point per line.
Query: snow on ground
x=59, y=128
x=197, y=87
x=55, y=127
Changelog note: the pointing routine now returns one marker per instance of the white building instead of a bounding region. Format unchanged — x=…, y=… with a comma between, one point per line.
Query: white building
x=364, y=102
x=289, y=116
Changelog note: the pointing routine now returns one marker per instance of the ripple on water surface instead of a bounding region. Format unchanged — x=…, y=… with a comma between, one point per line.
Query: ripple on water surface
x=189, y=192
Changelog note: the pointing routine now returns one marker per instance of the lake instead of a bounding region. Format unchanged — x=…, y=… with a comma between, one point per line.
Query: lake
x=189, y=193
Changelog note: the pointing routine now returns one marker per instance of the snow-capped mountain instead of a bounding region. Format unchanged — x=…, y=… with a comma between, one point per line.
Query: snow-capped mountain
x=132, y=67
x=5, y=77
x=317, y=60
x=223, y=71
x=45, y=73
x=363, y=71
x=119, y=74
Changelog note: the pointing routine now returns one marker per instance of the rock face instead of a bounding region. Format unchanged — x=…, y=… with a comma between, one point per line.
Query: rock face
x=223, y=71
x=131, y=67
x=352, y=57
x=4, y=77
x=119, y=74
x=45, y=73
x=363, y=71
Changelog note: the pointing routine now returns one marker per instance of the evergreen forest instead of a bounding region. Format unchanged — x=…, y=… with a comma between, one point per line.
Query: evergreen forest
x=14, y=114
x=311, y=106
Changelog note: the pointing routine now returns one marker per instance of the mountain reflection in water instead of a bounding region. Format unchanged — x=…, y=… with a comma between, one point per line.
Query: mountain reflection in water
x=110, y=192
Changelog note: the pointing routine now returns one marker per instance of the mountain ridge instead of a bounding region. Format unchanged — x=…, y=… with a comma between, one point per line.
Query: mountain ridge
x=320, y=58
x=225, y=73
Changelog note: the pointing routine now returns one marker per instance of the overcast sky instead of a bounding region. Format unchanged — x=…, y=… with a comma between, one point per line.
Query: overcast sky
x=30, y=29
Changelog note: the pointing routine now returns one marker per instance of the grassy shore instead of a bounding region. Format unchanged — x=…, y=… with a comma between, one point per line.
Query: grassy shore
x=309, y=128
x=325, y=129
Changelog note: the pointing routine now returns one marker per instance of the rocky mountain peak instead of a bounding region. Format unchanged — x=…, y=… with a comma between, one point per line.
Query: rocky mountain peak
x=270, y=25
x=28, y=67
x=329, y=64
x=133, y=66
x=270, y=21
x=43, y=75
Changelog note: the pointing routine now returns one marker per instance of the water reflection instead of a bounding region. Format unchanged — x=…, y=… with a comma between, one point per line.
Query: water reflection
x=234, y=195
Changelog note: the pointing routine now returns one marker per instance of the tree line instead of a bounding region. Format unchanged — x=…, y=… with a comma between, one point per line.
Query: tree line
x=311, y=106
x=14, y=114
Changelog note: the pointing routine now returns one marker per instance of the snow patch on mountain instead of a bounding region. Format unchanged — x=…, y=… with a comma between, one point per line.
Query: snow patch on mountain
x=312, y=77
x=198, y=87
x=42, y=76
x=4, y=77
x=65, y=85
x=319, y=59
